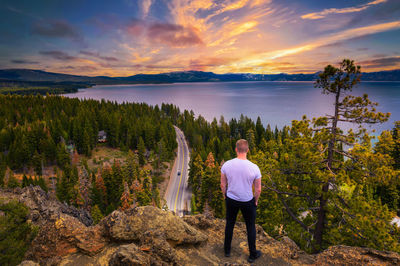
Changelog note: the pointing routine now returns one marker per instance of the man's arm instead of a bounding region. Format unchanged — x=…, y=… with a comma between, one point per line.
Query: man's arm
x=257, y=189
x=223, y=184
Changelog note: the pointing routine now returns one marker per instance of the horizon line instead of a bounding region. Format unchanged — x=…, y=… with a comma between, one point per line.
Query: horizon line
x=182, y=71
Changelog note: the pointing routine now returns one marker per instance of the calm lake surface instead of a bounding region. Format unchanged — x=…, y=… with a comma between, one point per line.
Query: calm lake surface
x=277, y=103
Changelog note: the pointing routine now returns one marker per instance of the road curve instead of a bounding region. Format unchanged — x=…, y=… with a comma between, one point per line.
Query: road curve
x=178, y=194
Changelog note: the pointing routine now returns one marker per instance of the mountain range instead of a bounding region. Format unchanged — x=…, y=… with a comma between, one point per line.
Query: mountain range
x=39, y=77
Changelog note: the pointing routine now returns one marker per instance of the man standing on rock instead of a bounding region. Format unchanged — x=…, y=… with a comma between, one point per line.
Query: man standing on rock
x=237, y=178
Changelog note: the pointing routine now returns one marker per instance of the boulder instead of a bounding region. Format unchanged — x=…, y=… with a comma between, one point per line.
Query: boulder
x=345, y=255
x=129, y=255
x=291, y=246
x=28, y=263
x=134, y=223
x=159, y=248
x=63, y=235
x=199, y=221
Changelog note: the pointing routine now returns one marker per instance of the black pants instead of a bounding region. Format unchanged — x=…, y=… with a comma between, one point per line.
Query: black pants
x=248, y=210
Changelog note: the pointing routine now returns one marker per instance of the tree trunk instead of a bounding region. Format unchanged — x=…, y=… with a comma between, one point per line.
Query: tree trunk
x=319, y=227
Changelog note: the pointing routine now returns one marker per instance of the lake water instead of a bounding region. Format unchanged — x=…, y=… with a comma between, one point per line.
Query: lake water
x=277, y=103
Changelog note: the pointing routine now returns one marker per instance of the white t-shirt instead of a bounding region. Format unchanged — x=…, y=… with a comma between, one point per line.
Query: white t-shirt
x=240, y=175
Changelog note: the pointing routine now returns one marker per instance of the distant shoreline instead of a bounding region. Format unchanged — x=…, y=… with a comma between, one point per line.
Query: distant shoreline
x=31, y=77
x=241, y=81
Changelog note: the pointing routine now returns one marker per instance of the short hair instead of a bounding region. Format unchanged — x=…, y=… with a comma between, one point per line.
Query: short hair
x=242, y=146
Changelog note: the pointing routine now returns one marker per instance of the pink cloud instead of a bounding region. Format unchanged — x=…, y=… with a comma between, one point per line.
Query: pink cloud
x=173, y=35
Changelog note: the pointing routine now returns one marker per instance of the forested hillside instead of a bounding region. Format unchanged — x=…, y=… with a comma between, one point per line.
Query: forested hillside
x=322, y=186
x=38, y=132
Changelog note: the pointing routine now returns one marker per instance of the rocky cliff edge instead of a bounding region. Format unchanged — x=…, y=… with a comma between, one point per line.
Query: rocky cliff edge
x=151, y=236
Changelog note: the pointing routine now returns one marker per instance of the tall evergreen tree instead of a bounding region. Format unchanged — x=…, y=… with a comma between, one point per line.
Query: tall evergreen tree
x=396, y=150
x=96, y=214
x=141, y=151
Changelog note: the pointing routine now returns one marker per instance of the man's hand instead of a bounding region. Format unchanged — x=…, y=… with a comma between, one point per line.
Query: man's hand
x=257, y=189
x=224, y=181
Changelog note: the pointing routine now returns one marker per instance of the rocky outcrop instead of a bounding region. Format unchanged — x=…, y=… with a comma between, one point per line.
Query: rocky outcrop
x=42, y=207
x=150, y=236
x=129, y=255
x=63, y=235
x=28, y=263
x=336, y=255
x=139, y=223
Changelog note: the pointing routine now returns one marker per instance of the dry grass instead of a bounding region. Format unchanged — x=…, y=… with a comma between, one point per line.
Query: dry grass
x=103, y=154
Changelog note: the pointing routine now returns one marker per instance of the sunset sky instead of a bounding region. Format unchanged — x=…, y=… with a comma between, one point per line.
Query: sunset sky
x=126, y=37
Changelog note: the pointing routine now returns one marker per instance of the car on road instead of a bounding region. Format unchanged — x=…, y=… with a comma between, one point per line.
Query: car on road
x=179, y=172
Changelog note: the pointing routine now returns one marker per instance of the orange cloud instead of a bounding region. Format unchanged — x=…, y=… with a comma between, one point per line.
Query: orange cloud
x=334, y=38
x=244, y=27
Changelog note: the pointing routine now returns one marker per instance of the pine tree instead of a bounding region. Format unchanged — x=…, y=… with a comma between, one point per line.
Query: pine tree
x=131, y=168
x=196, y=173
x=141, y=151
x=136, y=188
x=250, y=136
x=12, y=181
x=145, y=195
x=162, y=152
x=61, y=187
x=25, y=181
x=388, y=191
x=347, y=109
x=396, y=150
x=107, y=177
x=37, y=161
x=193, y=206
x=3, y=168
x=156, y=197
x=260, y=131
x=62, y=156
x=268, y=133
x=126, y=199
x=211, y=194
x=96, y=214
x=42, y=183
x=98, y=192
x=16, y=233
x=118, y=182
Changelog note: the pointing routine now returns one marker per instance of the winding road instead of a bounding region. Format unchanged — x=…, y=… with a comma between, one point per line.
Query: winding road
x=178, y=194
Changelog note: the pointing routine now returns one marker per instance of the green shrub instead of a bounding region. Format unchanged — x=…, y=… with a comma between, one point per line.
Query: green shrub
x=16, y=233
x=96, y=214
